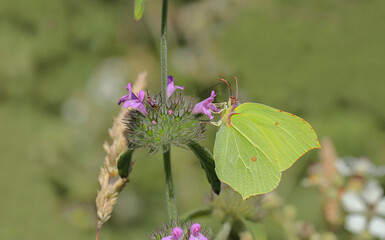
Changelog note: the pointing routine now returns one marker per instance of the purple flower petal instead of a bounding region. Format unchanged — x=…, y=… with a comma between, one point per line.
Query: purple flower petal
x=131, y=94
x=141, y=95
x=175, y=235
x=195, y=232
x=195, y=228
x=170, y=86
x=132, y=104
x=133, y=101
x=123, y=99
x=206, y=106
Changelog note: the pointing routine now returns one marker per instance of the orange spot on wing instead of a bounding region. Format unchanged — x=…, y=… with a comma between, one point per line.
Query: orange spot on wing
x=292, y=114
x=253, y=158
x=276, y=123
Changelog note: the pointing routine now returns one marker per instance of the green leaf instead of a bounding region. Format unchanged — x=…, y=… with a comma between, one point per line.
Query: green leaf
x=256, y=229
x=197, y=213
x=207, y=163
x=139, y=9
x=255, y=143
x=124, y=163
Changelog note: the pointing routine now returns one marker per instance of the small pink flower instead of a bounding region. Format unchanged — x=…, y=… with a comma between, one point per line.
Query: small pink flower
x=206, y=106
x=170, y=86
x=133, y=101
x=195, y=232
x=176, y=234
x=170, y=112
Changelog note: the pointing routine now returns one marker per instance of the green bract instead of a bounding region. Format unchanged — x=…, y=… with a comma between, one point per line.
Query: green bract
x=165, y=123
x=255, y=143
x=139, y=9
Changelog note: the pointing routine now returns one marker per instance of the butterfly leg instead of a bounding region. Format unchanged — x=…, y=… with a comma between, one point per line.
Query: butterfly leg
x=220, y=111
x=221, y=105
x=216, y=123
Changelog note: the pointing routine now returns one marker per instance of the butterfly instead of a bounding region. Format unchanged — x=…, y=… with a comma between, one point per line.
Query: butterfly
x=255, y=143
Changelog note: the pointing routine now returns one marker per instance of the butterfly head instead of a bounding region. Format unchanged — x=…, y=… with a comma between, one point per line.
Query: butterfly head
x=233, y=101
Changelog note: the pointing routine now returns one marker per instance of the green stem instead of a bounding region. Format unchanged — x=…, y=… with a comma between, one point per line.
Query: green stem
x=163, y=51
x=170, y=199
x=224, y=233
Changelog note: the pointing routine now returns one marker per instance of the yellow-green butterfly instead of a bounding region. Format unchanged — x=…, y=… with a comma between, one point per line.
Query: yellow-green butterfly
x=255, y=143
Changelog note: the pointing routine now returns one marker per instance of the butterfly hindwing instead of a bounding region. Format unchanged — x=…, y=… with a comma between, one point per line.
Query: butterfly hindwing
x=243, y=166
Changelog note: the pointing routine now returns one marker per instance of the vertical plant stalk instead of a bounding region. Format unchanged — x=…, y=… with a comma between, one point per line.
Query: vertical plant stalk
x=170, y=198
x=331, y=202
x=163, y=51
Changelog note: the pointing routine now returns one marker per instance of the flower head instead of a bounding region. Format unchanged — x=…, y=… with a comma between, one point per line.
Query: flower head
x=176, y=234
x=206, y=106
x=133, y=101
x=366, y=211
x=195, y=232
x=170, y=86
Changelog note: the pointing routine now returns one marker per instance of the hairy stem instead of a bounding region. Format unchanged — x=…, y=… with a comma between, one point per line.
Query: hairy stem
x=170, y=199
x=163, y=51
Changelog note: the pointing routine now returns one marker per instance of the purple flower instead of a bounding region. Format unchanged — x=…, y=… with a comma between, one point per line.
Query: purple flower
x=170, y=86
x=195, y=232
x=176, y=234
x=133, y=101
x=206, y=106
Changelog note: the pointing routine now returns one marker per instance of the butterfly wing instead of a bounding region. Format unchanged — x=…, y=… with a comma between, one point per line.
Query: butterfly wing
x=260, y=143
x=243, y=166
x=283, y=135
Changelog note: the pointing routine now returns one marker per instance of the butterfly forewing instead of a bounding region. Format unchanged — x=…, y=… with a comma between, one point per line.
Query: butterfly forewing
x=256, y=144
x=287, y=135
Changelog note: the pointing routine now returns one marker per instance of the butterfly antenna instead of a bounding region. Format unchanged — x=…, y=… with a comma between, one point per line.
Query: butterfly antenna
x=228, y=84
x=236, y=84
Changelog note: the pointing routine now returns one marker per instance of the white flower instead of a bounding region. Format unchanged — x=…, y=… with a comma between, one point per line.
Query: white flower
x=366, y=210
x=358, y=166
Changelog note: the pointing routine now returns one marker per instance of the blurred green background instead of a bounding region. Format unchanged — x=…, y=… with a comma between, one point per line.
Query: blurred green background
x=65, y=63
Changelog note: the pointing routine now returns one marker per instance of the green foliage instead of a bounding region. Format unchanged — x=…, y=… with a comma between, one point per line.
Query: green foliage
x=124, y=163
x=255, y=143
x=207, y=163
x=139, y=9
